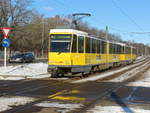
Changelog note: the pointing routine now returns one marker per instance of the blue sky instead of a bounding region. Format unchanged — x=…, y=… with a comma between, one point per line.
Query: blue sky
x=121, y=16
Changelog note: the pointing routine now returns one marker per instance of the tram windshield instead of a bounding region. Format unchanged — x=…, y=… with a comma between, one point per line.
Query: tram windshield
x=60, y=42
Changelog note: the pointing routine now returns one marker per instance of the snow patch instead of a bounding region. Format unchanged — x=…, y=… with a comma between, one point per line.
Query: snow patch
x=142, y=83
x=6, y=103
x=33, y=70
x=139, y=84
x=63, y=107
x=115, y=109
x=140, y=58
x=13, y=78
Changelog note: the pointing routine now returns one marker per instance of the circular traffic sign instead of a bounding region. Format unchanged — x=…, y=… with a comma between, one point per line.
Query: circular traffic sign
x=6, y=42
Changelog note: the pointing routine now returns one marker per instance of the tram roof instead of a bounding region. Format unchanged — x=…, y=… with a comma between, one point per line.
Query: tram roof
x=72, y=31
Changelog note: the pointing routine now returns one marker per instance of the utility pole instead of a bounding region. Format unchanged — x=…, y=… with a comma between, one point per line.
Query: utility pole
x=107, y=45
x=106, y=37
x=106, y=33
x=42, y=41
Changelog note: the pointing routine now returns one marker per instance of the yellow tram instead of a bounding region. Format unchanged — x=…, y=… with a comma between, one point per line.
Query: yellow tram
x=73, y=51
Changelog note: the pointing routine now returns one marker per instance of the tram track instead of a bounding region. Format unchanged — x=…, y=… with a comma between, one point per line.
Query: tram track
x=118, y=74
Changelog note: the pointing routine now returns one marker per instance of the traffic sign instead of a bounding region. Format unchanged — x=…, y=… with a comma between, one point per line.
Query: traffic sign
x=6, y=31
x=6, y=42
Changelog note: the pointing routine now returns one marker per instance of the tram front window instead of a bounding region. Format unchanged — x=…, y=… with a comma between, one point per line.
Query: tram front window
x=60, y=43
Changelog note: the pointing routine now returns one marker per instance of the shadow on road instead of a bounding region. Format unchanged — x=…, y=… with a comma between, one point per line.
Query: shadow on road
x=121, y=103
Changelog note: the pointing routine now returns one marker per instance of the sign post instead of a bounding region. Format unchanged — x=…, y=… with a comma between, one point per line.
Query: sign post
x=5, y=43
x=5, y=57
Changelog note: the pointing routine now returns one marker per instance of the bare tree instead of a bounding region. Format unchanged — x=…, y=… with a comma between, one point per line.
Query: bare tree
x=14, y=12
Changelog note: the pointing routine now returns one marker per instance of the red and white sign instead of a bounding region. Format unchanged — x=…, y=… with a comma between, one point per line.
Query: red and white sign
x=6, y=31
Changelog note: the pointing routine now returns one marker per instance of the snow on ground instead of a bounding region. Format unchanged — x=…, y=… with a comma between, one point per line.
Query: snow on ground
x=33, y=70
x=63, y=108
x=142, y=83
x=93, y=78
x=12, y=78
x=6, y=103
x=116, y=109
x=39, y=70
x=129, y=74
x=140, y=58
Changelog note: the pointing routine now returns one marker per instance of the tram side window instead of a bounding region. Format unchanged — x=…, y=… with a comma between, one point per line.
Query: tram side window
x=134, y=51
x=74, y=44
x=119, y=50
x=122, y=50
x=128, y=50
x=87, y=45
x=80, y=44
x=113, y=49
x=100, y=43
x=93, y=46
x=110, y=48
x=98, y=46
x=103, y=47
x=116, y=47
